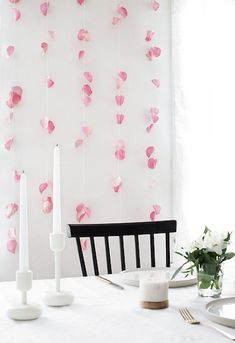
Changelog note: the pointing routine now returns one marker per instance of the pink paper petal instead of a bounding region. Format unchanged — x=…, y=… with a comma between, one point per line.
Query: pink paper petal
x=78, y=143
x=119, y=100
x=115, y=20
x=155, y=118
x=44, y=8
x=87, y=211
x=86, y=100
x=87, y=90
x=80, y=208
x=80, y=217
x=44, y=47
x=149, y=35
x=50, y=127
x=43, y=187
x=120, y=154
x=81, y=54
x=14, y=1
x=51, y=34
x=149, y=128
x=122, y=11
x=156, y=51
x=12, y=245
x=86, y=130
x=157, y=209
x=117, y=182
x=80, y=2
x=50, y=83
x=149, y=151
x=11, y=209
x=14, y=96
x=83, y=35
x=47, y=124
x=119, y=83
x=152, y=162
x=47, y=204
x=16, y=14
x=152, y=215
x=123, y=75
x=119, y=118
x=154, y=110
x=10, y=50
x=156, y=82
x=16, y=175
x=88, y=76
x=84, y=244
x=8, y=144
x=155, y=5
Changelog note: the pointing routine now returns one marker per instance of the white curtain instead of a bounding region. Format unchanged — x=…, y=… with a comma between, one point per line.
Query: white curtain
x=203, y=55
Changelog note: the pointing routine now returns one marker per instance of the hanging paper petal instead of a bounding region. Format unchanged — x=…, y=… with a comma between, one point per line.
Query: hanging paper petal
x=119, y=83
x=82, y=211
x=123, y=75
x=119, y=100
x=43, y=187
x=149, y=35
x=88, y=76
x=115, y=20
x=83, y=35
x=149, y=128
x=149, y=151
x=16, y=14
x=86, y=100
x=12, y=242
x=119, y=118
x=51, y=34
x=122, y=11
x=80, y=2
x=44, y=47
x=44, y=8
x=11, y=209
x=14, y=96
x=50, y=83
x=47, y=124
x=16, y=175
x=155, y=5
x=152, y=215
x=87, y=90
x=14, y=1
x=78, y=143
x=86, y=130
x=152, y=162
x=8, y=144
x=157, y=209
x=10, y=50
x=117, y=182
x=153, y=52
x=81, y=54
x=47, y=204
x=84, y=243
x=156, y=82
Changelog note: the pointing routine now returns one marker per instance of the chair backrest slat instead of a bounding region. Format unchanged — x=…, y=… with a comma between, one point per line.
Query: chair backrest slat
x=137, y=251
x=122, y=253
x=81, y=257
x=107, y=251
x=168, y=250
x=152, y=250
x=121, y=230
x=94, y=257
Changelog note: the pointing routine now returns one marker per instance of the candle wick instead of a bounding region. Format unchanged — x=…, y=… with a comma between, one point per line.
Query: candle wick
x=57, y=144
x=23, y=172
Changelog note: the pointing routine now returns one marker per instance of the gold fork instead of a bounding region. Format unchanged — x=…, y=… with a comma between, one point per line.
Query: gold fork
x=186, y=314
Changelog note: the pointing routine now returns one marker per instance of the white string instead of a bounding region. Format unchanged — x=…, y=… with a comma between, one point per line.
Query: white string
x=83, y=107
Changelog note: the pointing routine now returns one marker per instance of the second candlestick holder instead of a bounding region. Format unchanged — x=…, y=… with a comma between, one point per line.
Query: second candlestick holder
x=58, y=297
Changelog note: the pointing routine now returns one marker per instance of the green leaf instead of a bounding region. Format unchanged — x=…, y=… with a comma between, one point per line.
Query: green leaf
x=178, y=270
x=204, y=284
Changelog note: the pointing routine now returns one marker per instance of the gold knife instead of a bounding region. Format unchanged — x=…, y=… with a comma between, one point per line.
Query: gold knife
x=110, y=282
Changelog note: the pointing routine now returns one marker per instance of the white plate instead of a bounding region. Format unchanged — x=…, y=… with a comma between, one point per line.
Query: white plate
x=222, y=311
x=132, y=277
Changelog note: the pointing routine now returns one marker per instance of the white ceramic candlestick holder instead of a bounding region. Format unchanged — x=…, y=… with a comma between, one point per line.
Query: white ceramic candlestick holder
x=57, y=297
x=24, y=310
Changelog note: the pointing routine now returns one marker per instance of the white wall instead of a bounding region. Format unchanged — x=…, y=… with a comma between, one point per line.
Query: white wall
x=87, y=172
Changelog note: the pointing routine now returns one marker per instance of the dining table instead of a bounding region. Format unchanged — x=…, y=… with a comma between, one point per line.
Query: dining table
x=102, y=313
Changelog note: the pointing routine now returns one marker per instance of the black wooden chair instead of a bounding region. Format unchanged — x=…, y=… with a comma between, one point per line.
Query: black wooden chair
x=121, y=229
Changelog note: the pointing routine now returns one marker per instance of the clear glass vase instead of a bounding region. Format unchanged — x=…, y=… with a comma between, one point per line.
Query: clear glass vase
x=210, y=280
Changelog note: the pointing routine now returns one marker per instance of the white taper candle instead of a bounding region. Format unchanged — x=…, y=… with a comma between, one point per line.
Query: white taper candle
x=23, y=237
x=56, y=192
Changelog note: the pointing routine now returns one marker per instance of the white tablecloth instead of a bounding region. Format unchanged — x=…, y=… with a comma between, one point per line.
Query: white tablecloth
x=102, y=313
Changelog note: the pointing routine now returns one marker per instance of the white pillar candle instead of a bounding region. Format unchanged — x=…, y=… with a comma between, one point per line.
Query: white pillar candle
x=154, y=293
x=56, y=192
x=23, y=236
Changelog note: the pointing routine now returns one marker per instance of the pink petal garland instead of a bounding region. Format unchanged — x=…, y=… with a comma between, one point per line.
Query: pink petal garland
x=119, y=118
x=117, y=183
x=87, y=90
x=82, y=211
x=119, y=100
x=47, y=204
x=87, y=131
x=14, y=1
x=10, y=50
x=123, y=75
x=44, y=8
x=115, y=20
x=43, y=186
x=83, y=35
x=120, y=151
x=122, y=11
x=149, y=35
x=80, y=2
x=81, y=54
x=152, y=162
x=16, y=175
x=50, y=83
x=156, y=82
x=86, y=100
x=47, y=124
x=12, y=242
x=16, y=14
x=153, y=52
x=149, y=151
x=51, y=34
x=88, y=76
x=11, y=209
x=78, y=143
x=155, y=5
x=156, y=211
x=44, y=47
x=15, y=96
x=8, y=144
